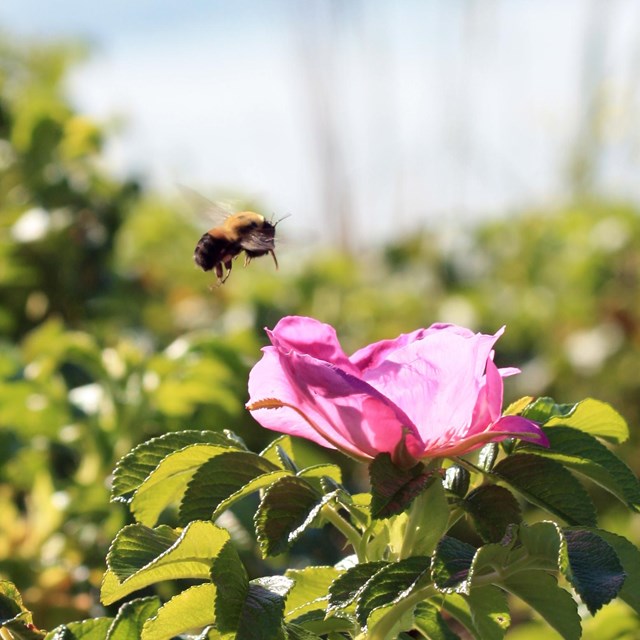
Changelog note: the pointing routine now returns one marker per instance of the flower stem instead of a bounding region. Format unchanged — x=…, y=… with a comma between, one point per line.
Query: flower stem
x=385, y=625
x=346, y=529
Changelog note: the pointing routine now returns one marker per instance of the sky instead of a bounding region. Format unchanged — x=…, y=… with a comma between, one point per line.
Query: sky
x=365, y=118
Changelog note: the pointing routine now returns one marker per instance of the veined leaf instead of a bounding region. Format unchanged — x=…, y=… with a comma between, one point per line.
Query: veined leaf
x=428, y=620
x=231, y=580
x=346, y=589
x=594, y=568
x=549, y=485
x=594, y=417
x=95, y=629
x=190, y=556
x=629, y=557
x=131, y=618
x=190, y=610
x=287, y=508
x=391, y=584
x=393, y=488
x=489, y=612
x=167, y=483
x=133, y=468
x=309, y=590
x=492, y=509
x=585, y=454
x=542, y=593
x=219, y=478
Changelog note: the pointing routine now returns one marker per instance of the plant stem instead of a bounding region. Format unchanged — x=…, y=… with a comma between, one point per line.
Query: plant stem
x=384, y=626
x=346, y=529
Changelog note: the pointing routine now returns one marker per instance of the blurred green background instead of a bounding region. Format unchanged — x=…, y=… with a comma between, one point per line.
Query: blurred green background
x=109, y=335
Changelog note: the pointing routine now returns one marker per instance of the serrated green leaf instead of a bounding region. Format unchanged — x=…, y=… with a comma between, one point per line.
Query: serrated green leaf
x=263, y=613
x=20, y=629
x=167, y=483
x=346, y=589
x=136, y=546
x=594, y=569
x=549, y=485
x=189, y=611
x=190, y=556
x=394, y=488
x=319, y=471
x=489, y=612
x=583, y=453
x=283, y=513
x=310, y=589
x=316, y=621
x=542, y=593
x=428, y=620
x=391, y=584
x=629, y=557
x=95, y=629
x=133, y=468
x=543, y=409
x=296, y=632
x=10, y=600
x=492, y=508
x=594, y=417
x=451, y=564
x=232, y=583
x=219, y=478
x=131, y=617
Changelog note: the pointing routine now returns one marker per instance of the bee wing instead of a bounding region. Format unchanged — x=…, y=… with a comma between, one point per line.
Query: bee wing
x=213, y=211
x=258, y=240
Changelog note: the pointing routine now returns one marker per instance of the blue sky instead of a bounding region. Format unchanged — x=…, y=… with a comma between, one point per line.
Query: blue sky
x=411, y=112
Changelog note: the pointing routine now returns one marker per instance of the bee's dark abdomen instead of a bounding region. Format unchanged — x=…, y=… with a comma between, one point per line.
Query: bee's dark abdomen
x=207, y=252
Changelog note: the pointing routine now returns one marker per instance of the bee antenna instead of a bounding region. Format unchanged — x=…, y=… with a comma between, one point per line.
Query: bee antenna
x=277, y=222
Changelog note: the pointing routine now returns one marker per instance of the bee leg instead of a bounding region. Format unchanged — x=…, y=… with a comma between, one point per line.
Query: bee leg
x=247, y=259
x=228, y=264
x=273, y=255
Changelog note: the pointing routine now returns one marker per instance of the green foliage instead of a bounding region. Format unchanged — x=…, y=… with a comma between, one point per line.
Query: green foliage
x=396, y=581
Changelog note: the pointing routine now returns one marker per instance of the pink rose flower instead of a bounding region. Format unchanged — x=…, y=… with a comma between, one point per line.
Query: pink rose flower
x=431, y=393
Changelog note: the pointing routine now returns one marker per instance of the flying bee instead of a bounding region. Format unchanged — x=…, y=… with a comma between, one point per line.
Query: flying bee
x=245, y=231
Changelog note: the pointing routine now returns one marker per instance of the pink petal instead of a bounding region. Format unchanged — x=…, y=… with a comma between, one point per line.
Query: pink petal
x=436, y=380
x=321, y=402
x=488, y=407
x=307, y=335
x=372, y=355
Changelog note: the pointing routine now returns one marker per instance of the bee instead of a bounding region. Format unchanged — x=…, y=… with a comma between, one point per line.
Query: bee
x=245, y=231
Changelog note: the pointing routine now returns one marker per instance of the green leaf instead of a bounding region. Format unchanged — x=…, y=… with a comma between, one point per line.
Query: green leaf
x=390, y=584
x=10, y=601
x=594, y=569
x=221, y=477
x=586, y=455
x=594, y=417
x=543, y=409
x=133, y=468
x=549, y=485
x=167, y=483
x=131, y=618
x=489, y=612
x=542, y=593
x=321, y=471
x=393, y=488
x=230, y=578
x=451, y=564
x=310, y=589
x=629, y=557
x=190, y=610
x=347, y=588
x=191, y=556
x=492, y=508
x=429, y=622
x=296, y=632
x=457, y=606
x=263, y=613
x=95, y=629
x=287, y=508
